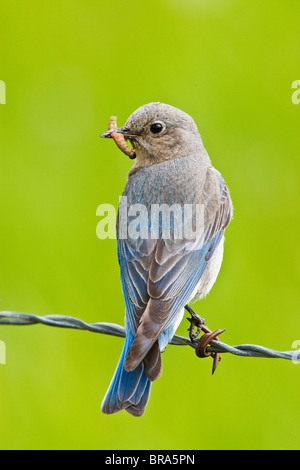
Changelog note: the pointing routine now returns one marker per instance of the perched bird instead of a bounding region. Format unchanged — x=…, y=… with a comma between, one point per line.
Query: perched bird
x=161, y=275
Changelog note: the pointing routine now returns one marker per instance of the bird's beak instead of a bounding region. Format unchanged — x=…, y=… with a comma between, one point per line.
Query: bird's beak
x=121, y=130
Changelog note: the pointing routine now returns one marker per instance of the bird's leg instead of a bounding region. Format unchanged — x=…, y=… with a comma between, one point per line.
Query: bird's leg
x=196, y=322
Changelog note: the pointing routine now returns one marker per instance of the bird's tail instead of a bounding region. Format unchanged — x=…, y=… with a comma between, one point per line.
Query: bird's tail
x=128, y=390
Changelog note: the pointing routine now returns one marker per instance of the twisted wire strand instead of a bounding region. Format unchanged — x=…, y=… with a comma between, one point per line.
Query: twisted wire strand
x=63, y=321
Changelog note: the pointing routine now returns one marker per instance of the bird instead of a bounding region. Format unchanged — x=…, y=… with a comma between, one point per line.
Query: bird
x=161, y=274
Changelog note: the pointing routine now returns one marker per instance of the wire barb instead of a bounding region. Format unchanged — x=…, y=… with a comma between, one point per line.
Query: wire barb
x=63, y=321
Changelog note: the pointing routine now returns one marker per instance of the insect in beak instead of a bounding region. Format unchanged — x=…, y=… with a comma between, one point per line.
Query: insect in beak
x=119, y=134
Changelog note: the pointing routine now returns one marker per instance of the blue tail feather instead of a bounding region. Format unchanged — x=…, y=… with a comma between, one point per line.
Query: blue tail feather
x=127, y=390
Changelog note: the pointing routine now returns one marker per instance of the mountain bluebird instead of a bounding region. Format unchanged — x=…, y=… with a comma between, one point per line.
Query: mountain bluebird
x=160, y=274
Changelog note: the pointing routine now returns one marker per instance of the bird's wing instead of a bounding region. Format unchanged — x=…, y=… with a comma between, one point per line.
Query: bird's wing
x=160, y=277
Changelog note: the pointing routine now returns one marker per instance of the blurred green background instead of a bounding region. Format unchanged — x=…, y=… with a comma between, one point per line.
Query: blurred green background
x=69, y=65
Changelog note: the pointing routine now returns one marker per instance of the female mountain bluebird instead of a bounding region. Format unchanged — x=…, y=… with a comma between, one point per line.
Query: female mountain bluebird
x=161, y=275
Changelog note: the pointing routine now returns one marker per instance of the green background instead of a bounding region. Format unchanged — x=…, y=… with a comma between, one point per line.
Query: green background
x=69, y=65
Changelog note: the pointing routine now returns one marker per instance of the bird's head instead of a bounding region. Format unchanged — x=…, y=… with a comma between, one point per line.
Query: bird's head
x=160, y=132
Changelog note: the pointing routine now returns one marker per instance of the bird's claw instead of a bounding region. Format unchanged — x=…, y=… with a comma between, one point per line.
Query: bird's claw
x=196, y=322
x=201, y=348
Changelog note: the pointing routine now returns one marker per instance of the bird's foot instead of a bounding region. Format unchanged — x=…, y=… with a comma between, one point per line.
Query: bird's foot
x=196, y=322
x=199, y=323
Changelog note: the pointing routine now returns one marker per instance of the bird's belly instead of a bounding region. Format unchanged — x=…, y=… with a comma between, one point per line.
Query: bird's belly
x=210, y=274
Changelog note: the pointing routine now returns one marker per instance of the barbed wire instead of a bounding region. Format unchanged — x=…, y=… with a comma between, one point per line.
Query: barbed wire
x=214, y=347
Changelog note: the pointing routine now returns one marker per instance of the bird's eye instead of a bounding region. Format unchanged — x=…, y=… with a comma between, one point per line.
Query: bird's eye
x=156, y=128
